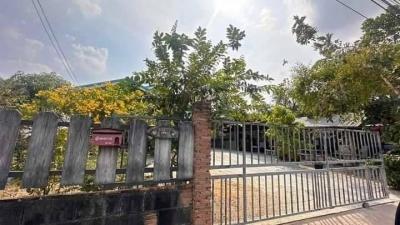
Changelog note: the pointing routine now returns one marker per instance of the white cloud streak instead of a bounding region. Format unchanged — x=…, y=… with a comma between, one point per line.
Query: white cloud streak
x=90, y=59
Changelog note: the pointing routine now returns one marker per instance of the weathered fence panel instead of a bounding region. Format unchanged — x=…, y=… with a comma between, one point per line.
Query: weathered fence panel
x=151, y=148
x=9, y=127
x=107, y=159
x=40, y=150
x=75, y=157
x=137, y=144
x=162, y=150
x=185, y=154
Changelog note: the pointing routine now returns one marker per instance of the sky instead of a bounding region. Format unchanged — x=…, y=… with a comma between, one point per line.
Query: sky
x=105, y=40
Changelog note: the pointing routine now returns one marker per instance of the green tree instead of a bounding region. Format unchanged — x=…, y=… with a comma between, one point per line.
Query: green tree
x=350, y=76
x=189, y=69
x=21, y=87
x=282, y=95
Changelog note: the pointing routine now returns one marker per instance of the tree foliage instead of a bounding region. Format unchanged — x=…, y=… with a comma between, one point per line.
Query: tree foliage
x=350, y=76
x=97, y=102
x=189, y=69
x=22, y=87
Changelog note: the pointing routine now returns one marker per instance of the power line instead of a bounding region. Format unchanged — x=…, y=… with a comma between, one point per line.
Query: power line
x=380, y=6
x=58, y=50
x=56, y=40
x=349, y=7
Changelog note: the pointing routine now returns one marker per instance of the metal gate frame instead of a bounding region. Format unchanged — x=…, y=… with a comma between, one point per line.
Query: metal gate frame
x=247, y=188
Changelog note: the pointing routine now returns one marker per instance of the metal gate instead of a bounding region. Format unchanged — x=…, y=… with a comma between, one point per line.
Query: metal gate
x=262, y=171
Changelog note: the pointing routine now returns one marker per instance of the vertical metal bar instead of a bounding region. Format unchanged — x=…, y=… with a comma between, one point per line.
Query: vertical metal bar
x=237, y=144
x=354, y=147
x=265, y=144
x=316, y=180
x=251, y=142
x=259, y=196
x=225, y=202
x=372, y=145
x=285, y=193
x=272, y=144
x=294, y=143
x=291, y=192
x=230, y=144
x=212, y=201
x=266, y=196
x=347, y=187
x=351, y=187
x=354, y=181
x=244, y=173
x=375, y=183
x=365, y=184
x=344, y=194
x=281, y=138
x=334, y=189
x=230, y=200
x=313, y=189
x=279, y=195
x=222, y=142
x=273, y=195
x=308, y=192
x=289, y=145
x=302, y=192
x=221, y=202
x=297, y=193
x=359, y=176
x=213, y=146
x=252, y=198
x=237, y=200
x=375, y=149
x=322, y=189
x=258, y=144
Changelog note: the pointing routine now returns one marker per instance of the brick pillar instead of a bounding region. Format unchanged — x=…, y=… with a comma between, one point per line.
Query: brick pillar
x=201, y=212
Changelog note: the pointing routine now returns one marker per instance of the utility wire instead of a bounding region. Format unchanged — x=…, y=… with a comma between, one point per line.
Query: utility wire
x=54, y=42
x=349, y=7
x=376, y=3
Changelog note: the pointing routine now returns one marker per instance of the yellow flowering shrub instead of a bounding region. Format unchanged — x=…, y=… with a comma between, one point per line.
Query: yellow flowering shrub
x=97, y=102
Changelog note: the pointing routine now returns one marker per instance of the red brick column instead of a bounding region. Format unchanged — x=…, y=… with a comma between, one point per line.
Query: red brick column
x=201, y=213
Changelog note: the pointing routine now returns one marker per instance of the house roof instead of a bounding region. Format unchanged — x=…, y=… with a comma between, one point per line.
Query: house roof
x=335, y=121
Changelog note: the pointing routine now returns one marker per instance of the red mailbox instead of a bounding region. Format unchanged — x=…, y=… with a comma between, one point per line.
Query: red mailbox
x=107, y=137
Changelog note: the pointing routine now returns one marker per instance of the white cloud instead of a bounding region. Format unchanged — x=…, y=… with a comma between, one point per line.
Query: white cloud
x=266, y=19
x=88, y=8
x=70, y=37
x=32, y=48
x=300, y=8
x=90, y=59
x=10, y=33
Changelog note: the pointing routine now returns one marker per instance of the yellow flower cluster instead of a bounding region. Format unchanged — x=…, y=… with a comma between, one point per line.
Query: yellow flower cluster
x=97, y=102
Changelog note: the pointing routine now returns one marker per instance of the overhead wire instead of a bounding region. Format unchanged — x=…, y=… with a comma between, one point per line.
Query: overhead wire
x=56, y=40
x=352, y=9
x=53, y=40
x=380, y=6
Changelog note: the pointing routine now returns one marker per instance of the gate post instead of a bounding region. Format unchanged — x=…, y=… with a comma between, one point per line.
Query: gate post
x=201, y=211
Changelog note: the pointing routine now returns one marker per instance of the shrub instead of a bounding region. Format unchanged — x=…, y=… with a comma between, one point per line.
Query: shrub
x=392, y=168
